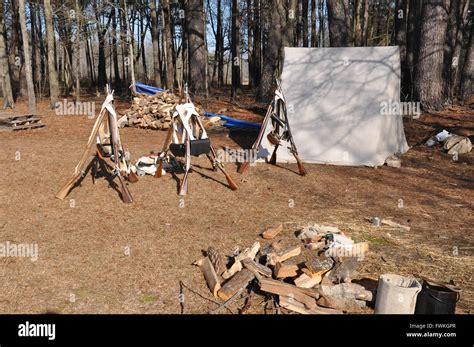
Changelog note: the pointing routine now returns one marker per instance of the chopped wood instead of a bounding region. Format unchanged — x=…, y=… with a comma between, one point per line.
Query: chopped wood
x=280, y=257
x=394, y=224
x=152, y=111
x=315, y=245
x=293, y=305
x=257, y=267
x=215, y=258
x=355, y=250
x=270, y=233
x=285, y=289
x=250, y=253
x=319, y=264
x=347, y=290
x=349, y=297
x=306, y=281
x=209, y=274
x=316, y=231
x=285, y=271
x=236, y=283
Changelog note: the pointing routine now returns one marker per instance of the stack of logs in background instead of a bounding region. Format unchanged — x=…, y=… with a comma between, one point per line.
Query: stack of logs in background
x=152, y=112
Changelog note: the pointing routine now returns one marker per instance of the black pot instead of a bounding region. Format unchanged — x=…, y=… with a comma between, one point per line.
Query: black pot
x=435, y=299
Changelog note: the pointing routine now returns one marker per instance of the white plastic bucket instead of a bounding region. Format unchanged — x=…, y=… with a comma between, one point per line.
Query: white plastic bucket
x=396, y=294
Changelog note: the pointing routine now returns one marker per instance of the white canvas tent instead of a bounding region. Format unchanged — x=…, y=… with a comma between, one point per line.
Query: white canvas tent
x=334, y=98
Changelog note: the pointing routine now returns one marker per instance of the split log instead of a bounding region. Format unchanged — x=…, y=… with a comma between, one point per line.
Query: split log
x=237, y=266
x=209, y=274
x=319, y=264
x=393, y=224
x=288, y=290
x=316, y=232
x=274, y=258
x=296, y=306
x=257, y=268
x=270, y=233
x=285, y=271
x=307, y=281
x=356, y=250
x=349, y=297
x=313, y=246
x=237, y=282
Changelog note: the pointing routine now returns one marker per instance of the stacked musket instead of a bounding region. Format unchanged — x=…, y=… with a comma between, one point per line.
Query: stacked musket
x=152, y=111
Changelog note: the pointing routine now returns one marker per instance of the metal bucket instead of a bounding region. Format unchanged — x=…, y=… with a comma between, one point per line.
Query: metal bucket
x=396, y=295
x=436, y=299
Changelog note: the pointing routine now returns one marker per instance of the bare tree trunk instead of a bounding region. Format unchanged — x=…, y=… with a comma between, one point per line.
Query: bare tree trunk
x=401, y=19
x=36, y=69
x=26, y=50
x=90, y=60
x=429, y=74
x=155, y=38
x=130, y=57
x=197, y=52
x=15, y=52
x=272, y=53
x=299, y=24
x=117, y=79
x=8, y=100
x=52, y=74
x=143, y=30
x=257, y=44
x=413, y=34
x=365, y=25
x=168, y=44
x=78, y=50
x=358, y=35
x=250, y=25
x=305, y=13
x=220, y=44
x=235, y=48
x=101, y=32
x=339, y=23
x=292, y=24
x=314, y=19
x=454, y=19
x=321, y=33
x=467, y=78
x=461, y=33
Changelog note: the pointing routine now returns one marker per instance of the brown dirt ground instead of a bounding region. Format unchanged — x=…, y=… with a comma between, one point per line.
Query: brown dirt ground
x=82, y=249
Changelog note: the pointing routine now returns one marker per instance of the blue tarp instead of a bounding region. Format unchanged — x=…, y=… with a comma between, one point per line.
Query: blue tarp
x=234, y=123
x=229, y=121
x=148, y=90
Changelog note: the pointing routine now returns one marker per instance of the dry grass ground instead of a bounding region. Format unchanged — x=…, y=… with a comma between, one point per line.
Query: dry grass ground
x=84, y=265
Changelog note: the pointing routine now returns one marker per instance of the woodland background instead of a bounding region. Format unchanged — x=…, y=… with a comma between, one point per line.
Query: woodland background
x=72, y=48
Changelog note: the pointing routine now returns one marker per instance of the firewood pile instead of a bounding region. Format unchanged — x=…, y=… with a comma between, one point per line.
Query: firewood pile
x=155, y=112
x=152, y=111
x=312, y=276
